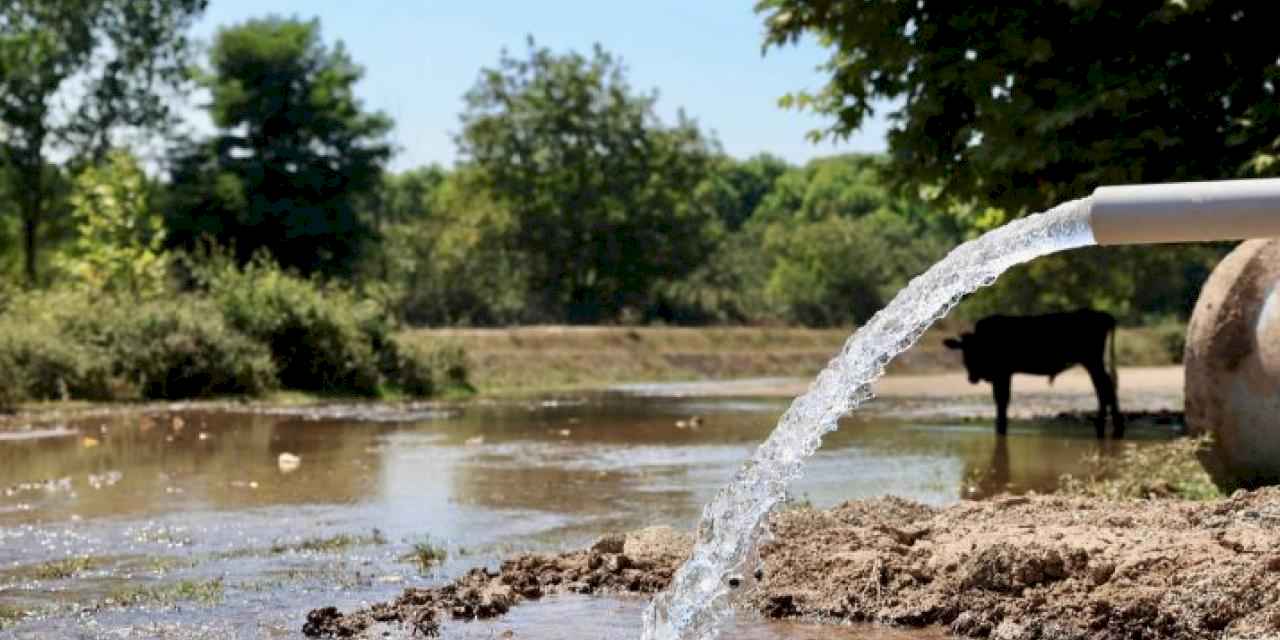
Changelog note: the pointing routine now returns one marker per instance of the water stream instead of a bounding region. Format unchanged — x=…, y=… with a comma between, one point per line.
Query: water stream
x=699, y=601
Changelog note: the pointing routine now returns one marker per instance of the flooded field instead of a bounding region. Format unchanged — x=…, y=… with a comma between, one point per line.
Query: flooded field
x=215, y=524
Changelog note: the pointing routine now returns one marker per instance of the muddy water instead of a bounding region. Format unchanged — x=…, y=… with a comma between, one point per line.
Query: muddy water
x=184, y=524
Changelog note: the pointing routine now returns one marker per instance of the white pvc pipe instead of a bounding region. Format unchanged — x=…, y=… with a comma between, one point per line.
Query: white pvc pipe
x=1186, y=212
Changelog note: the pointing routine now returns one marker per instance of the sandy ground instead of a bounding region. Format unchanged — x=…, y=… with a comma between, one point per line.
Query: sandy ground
x=1134, y=381
x=1018, y=568
x=1144, y=391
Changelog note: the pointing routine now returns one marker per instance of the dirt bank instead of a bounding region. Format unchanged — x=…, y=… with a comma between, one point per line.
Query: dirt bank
x=535, y=358
x=1024, y=568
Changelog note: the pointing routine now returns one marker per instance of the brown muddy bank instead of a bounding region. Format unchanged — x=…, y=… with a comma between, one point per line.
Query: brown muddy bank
x=1035, y=567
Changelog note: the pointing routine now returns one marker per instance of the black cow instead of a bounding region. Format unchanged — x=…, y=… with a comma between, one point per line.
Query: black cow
x=1046, y=345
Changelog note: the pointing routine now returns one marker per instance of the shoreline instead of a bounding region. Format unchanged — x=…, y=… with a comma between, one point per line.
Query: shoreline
x=947, y=394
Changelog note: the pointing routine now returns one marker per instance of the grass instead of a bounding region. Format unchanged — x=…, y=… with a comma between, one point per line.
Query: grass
x=331, y=544
x=1153, y=345
x=207, y=592
x=62, y=569
x=536, y=359
x=1169, y=469
x=10, y=616
x=426, y=554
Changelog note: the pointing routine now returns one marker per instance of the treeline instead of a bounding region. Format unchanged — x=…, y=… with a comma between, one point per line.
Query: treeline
x=572, y=201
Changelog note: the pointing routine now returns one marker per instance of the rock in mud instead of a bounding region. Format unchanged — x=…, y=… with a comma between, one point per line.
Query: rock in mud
x=1035, y=568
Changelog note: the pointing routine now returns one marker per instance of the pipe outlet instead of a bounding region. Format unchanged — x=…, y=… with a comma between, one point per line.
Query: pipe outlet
x=1186, y=212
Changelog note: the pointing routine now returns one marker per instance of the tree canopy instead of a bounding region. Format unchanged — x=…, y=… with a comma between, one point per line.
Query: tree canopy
x=294, y=153
x=1023, y=105
x=601, y=191
x=72, y=74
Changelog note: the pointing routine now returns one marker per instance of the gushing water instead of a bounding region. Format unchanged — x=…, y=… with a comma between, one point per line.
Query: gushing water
x=699, y=599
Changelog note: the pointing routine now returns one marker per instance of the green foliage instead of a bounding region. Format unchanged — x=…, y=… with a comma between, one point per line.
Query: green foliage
x=41, y=363
x=839, y=270
x=1023, y=106
x=1136, y=284
x=323, y=337
x=72, y=74
x=736, y=189
x=458, y=266
x=827, y=244
x=598, y=188
x=426, y=553
x=119, y=242
x=183, y=349
x=319, y=337
x=1170, y=469
x=294, y=155
x=69, y=345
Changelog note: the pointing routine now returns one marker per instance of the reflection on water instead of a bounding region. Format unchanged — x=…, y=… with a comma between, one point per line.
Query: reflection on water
x=206, y=493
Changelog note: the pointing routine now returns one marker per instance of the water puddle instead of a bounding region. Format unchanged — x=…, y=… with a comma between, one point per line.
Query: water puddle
x=185, y=524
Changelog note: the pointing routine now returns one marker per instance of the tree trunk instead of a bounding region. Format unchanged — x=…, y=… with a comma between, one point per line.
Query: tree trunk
x=32, y=203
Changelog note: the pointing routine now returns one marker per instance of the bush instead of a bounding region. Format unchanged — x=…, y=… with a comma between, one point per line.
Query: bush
x=257, y=328
x=322, y=339
x=325, y=338
x=428, y=369
x=1167, y=469
x=186, y=350
x=64, y=345
x=45, y=363
x=52, y=368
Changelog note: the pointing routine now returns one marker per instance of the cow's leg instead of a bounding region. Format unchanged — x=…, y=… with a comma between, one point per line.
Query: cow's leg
x=1117, y=418
x=1105, y=390
x=1000, y=390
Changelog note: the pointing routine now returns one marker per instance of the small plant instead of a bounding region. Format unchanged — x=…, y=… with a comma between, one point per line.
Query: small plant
x=64, y=568
x=10, y=616
x=426, y=554
x=204, y=592
x=331, y=544
x=1169, y=469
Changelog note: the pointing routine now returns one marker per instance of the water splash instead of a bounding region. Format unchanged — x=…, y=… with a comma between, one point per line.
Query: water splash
x=698, y=603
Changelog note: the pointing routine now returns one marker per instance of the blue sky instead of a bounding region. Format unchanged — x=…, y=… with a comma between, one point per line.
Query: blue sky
x=420, y=56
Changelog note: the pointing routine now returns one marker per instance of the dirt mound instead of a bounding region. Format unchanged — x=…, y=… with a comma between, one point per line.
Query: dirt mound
x=638, y=562
x=1036, y=567
x=1017, y=568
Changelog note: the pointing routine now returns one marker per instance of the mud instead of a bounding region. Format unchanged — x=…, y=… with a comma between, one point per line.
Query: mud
x=1012, y=568
x=639, y=562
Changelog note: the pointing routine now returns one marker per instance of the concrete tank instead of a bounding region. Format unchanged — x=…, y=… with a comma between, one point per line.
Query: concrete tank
x=1233, y=366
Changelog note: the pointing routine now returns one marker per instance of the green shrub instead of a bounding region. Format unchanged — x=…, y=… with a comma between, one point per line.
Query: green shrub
x=49, y=364
x=67, y=345
x=186, y=350
x=419, y=369
x=321, y=338
x=1168, y=469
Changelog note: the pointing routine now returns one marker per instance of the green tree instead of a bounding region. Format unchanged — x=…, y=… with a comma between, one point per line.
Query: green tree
x=602, y=193
x=119, y=245
x=460, y=265
x=1020, y=106
x=826, y=244
x=294, y=154
x=738, y=187
x=839, y=270
x=401, y=202
x=72, y=74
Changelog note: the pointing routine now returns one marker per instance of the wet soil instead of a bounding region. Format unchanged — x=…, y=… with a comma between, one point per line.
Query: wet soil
x=1013, y=568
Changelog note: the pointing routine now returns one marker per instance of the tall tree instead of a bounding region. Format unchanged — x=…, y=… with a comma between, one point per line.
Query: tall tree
x=1022, y=105
x=73, y=73
x=294, y=154
x=602, y=192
